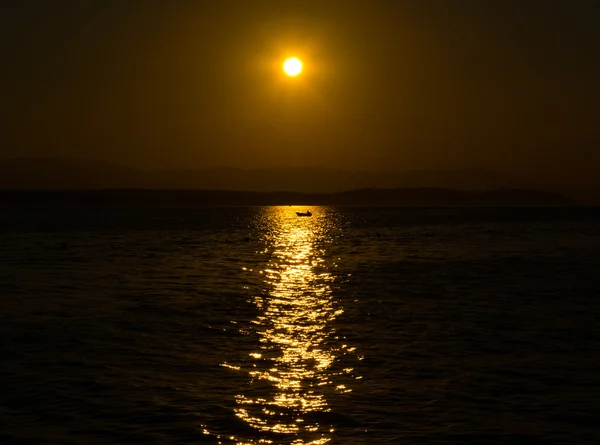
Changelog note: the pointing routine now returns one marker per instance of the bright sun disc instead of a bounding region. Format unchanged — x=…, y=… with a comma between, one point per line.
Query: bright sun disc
x=292, y=67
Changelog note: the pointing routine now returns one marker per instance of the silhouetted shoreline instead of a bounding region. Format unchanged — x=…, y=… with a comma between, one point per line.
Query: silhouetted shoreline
x=407, y=197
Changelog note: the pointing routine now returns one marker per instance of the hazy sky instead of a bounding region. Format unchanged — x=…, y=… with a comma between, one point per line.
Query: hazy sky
x=506, y=84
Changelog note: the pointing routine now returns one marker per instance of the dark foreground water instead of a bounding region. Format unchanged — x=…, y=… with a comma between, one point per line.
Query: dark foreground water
x=254, y=326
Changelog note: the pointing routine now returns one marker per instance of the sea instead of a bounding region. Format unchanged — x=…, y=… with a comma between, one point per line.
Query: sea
x=252, y=325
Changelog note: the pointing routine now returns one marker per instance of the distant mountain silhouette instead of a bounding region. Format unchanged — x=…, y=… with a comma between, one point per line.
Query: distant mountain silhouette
x=201, y=198
x=67, y=174
x=60, y=174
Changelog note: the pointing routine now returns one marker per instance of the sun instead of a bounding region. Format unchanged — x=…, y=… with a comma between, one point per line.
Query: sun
x=292, y=67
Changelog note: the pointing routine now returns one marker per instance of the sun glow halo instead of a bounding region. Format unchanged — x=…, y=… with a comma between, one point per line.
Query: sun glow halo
x=292, y=66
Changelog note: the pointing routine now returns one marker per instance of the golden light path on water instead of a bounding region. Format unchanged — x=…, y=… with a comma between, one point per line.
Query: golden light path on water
x=290, y=374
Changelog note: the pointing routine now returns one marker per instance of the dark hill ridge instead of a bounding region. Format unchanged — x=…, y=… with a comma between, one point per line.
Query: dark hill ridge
x=433, y=197
x=73, y=174
x=424, y=187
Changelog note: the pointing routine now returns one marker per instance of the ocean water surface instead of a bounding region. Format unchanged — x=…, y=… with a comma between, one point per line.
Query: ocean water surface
x=255, y=326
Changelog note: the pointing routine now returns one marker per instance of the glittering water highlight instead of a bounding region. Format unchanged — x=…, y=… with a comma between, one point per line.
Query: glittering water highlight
x=290, y=371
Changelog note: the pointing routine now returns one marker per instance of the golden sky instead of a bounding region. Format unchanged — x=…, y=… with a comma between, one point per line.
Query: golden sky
x=386, y=84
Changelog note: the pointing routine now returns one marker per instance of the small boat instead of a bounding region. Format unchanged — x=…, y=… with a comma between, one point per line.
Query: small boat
x=307, y=213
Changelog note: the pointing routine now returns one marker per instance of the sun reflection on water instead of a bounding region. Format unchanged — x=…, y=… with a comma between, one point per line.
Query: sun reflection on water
x=290, y=372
